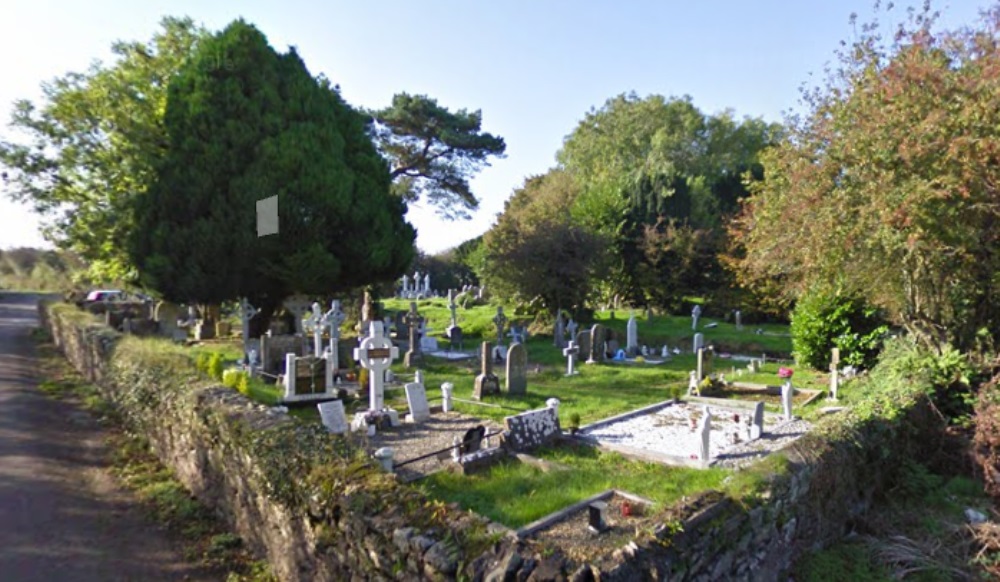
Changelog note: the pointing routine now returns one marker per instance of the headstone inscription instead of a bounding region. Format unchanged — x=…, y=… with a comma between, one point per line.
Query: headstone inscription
x=333, y=416
x=376, y=353
x=416, y=398
x=597, y=344
x=486, y=383
x=516, y=381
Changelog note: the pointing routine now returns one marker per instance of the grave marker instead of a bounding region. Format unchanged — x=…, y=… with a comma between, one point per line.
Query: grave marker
x=486, y=382
x=597, y=347
x=699, y=342
x=631, y=336
x=500, y=321
x=416, y=398
x=376, y=353
x=333, y=416
x=597, y=519
x=531, y=429
x=570, y=352
x=413, y=321
x=786, y=399
x=298, y=306
x=695, y=316
x=516, y=380
x=583, y=340
x=559, y=333
x=704, y=431
x=757, y=428
x=472, y=441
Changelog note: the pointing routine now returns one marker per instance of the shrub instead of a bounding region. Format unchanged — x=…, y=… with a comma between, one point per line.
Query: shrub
x=215, y=366
x=201, y=362
x=231, y=378
x=823, y=321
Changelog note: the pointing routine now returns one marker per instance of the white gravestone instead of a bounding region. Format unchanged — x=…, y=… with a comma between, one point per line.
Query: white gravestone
x=446, y=389
x=332, y=320
x=695, y=316
x=631, y=336
x=704, y=432
x=333, y=416
x=693, y=384
x=786, y=399
x=416, y=398
x=571, y=352
x=699, y=342
x=376, y=353
x=314, y=323
x=834, y=373
x=757, y=428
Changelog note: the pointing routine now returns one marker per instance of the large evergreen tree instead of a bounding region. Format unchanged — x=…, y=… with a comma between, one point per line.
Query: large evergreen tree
x=245, y=123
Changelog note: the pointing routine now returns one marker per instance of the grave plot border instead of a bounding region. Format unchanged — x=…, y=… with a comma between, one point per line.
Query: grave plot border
x=559, y=515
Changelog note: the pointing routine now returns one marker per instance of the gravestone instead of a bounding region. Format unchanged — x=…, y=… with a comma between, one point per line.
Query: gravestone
x=416, y=398
x=704, y=432
x=786, y=399
x=597, y=517
x=516, y=381
x=453, y=332
x=571, y=352
x=297, y=306
x=695, y=315
x=487, y=382
x=631, y=336
x=500, y=321
x=699, y=342
x=313, y=323
x=757, y=428
x=597, y=347
x=559, y=333
x=472, y=441
x=531, y=429
x=246, y=313
x=611, y=346
x=413, y=321
x=834, y=373
x=583, y=340
x=571, y=328
x=700, y=364
x=332, y=320
x=376, y=353
x=333, y=416
x=166, y=316
x=738, y=316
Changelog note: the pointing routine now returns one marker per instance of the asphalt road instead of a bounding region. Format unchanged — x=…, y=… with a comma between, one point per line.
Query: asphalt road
x=62, y=517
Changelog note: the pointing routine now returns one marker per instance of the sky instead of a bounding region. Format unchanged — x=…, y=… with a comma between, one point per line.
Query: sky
x=533, y=67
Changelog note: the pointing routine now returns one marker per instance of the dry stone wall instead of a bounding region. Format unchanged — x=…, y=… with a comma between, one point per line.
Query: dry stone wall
x=300, y=498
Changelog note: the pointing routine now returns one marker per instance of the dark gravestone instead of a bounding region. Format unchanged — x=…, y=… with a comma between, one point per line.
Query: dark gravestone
x=531, y=429
x=473, y=440
x=612, y=347
x=310, y=375
x=455, y=337
x=598, y=337
x=487, y=382
x=597, y=519
x=583, y=340
x=516, y=381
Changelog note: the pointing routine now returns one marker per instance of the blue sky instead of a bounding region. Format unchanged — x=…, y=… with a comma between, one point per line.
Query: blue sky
x=534, y=68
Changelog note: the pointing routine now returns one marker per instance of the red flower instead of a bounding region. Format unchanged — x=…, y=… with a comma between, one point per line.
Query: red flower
x=785, y=372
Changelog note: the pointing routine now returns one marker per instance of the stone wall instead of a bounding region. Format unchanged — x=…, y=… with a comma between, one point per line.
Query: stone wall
x=317, y=510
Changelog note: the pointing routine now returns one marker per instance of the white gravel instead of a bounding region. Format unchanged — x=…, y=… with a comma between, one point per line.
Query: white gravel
x=669, y=431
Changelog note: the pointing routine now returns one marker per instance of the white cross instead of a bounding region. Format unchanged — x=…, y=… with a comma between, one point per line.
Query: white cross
x=247, y=312
x=570, y=352
x=314, y=323
x=376, y=354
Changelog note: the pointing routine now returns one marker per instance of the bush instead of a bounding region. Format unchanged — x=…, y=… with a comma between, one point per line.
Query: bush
x=215, y=367
x=201, y=362
x=823, y=321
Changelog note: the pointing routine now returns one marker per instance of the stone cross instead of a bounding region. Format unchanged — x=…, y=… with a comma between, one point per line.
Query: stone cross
x=695, y=315
x=298, y=306
x=486, y=382
x=559, y=333
x=413, y=321
x=376, y=353
x=314, y=322
x=452, y=307
x=333, y=319
x=704, y=432
x=427, y=284
x=500, y=321
x=406, y=286
x=571, y=352
x=247, y=312
x=786, y=399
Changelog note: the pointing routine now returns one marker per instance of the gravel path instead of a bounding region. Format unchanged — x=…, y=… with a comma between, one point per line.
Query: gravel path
x=61, y=515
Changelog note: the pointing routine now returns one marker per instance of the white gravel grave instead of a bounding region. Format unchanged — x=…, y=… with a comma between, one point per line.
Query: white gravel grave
x=672, y=431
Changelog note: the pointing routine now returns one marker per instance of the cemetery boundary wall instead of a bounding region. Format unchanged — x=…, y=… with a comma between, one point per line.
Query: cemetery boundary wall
x=316, y=511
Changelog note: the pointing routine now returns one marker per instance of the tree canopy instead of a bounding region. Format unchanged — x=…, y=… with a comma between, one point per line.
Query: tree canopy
x=245, y=123
x=659, y=177
x=888, y=188
x=537, y=253
x=434, y=152
x=91, y=144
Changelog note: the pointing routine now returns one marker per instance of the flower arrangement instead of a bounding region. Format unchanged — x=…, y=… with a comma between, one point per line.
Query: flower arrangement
x=785, y=373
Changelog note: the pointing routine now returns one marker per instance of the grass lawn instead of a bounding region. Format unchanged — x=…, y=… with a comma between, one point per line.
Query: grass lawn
x=515, y=494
